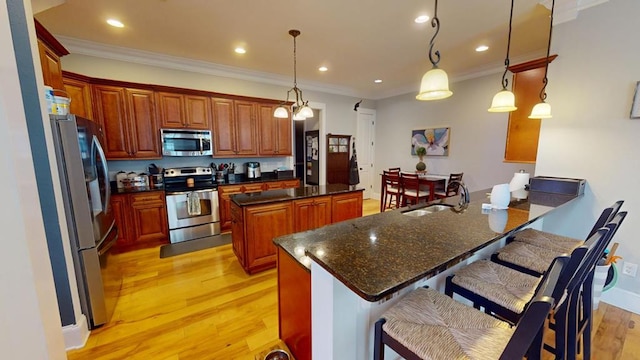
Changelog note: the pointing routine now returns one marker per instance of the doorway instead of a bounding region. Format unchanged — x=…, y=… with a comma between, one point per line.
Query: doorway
x=364, y=142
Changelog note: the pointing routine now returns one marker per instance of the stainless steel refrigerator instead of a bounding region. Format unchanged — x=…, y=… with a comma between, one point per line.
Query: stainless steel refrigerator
x=84, y=178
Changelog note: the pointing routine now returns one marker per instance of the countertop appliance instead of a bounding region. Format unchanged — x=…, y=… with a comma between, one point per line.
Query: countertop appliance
x=182, y=142
x=192, y=203
x=86, y=191
x=253, y=170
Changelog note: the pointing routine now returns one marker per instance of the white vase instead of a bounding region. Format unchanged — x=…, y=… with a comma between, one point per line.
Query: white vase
x=500, y=196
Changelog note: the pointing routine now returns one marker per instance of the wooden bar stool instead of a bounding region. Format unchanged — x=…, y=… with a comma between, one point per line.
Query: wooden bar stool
x=427, y=324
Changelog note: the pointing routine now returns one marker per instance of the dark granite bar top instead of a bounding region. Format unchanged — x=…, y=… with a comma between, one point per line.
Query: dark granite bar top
x=377, y=255
x=302, y=192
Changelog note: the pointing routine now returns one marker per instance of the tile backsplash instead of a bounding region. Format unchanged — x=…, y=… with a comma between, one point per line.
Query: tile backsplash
x=139, y=166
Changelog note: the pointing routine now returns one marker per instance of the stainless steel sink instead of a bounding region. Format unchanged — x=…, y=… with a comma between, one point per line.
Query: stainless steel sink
x=426, y=210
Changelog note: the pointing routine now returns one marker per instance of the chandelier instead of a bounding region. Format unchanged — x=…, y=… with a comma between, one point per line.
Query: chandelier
x=300, y=109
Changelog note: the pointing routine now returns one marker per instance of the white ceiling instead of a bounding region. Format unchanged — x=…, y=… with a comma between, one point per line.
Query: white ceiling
x=358, y=40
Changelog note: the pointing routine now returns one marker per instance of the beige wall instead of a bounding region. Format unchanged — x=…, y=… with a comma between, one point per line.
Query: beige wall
x=591, y=86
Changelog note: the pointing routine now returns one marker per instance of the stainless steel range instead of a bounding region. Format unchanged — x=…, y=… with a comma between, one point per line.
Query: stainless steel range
x=192, y=203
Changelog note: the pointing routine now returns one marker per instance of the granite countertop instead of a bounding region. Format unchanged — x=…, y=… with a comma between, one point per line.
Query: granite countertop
x=271, y=196
x=239, y=179
x=379, y=254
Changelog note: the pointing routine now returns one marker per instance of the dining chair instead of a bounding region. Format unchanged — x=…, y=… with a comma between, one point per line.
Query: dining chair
x=530, y=250
x=452, y=188
x=391, y=189
x=411, y=192
x=427, y=324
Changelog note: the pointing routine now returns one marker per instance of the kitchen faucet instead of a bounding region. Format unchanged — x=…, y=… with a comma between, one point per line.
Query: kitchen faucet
x=464, y=195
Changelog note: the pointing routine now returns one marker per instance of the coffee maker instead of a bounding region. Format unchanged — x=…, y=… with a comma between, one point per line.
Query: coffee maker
x=252, y=169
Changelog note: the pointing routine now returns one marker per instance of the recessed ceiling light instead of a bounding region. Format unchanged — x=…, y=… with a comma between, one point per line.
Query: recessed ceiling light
x=482, y=48
x=377, y=81
x=323, y=68
x=115, y=23
x=421, y=19
x=240, y=50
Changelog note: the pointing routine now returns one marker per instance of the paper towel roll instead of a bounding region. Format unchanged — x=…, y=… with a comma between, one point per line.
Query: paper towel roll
x=519, y=180
x=500, y=196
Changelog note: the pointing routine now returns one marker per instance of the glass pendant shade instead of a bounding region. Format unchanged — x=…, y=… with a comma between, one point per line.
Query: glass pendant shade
x=297, y=116
x=503, y=101
x=542, y=110
x=281, y=112
x=306, y=111
x=434, y=85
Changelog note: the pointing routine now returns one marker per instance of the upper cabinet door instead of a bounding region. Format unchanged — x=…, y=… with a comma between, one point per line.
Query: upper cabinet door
x=143, y=126
x=274, y=137
x=245, y=112
x=224, y=133
x=110, y=111
x=79, y=92
x=171, y=110
x=198, y=109
x=523, y=133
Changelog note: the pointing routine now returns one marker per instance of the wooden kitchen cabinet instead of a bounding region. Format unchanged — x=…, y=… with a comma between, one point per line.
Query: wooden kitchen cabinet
x=225, y=192
x=261, y=224
x=128, y=119
x=78, y=91
x=523, y=133
x=346, y=206
x=141, y=219
x=183, y=111
x=120, y=206
x=274, y=133
x=50, y=51
x=294, y=305
x=282, y=184
x=312, y=213
x=234, y=128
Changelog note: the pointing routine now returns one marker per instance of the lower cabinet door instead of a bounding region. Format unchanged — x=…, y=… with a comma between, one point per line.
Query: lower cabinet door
x=309, y=214
x=262, y=224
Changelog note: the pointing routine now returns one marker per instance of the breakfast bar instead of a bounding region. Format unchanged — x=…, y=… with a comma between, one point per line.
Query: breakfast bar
x=359, y=268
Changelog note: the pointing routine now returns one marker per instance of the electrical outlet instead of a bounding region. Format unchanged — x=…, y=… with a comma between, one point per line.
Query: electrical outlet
x=630, y=269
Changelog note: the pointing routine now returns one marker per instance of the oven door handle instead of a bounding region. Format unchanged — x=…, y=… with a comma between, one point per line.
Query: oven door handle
x=188, y=192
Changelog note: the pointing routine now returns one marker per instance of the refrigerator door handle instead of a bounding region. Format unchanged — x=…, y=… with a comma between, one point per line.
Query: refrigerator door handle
x=95, y=143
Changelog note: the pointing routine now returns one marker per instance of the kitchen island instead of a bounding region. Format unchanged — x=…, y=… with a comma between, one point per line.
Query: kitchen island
x=361, y=267
x=258, y=218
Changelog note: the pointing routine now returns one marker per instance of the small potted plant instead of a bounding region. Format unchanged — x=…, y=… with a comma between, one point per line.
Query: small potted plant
x=421, y=166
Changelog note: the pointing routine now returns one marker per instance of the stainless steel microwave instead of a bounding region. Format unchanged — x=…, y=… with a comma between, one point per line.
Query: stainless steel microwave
x=181, y=142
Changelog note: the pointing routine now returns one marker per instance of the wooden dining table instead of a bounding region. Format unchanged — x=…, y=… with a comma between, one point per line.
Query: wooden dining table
x=430, y=181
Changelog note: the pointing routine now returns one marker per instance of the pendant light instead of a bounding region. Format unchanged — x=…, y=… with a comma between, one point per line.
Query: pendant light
x=542, y=110
x=435, y=82
x=504, y=100
x=300, y=110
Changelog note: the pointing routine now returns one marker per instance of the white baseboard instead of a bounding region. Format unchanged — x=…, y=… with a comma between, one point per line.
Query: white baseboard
x=623, y=299
x=76, y=335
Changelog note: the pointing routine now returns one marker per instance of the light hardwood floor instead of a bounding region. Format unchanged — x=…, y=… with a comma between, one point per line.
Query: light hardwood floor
x=203, y=306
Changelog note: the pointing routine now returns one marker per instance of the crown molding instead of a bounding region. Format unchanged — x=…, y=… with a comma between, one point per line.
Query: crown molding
x=567, y=10
x=90, y=48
